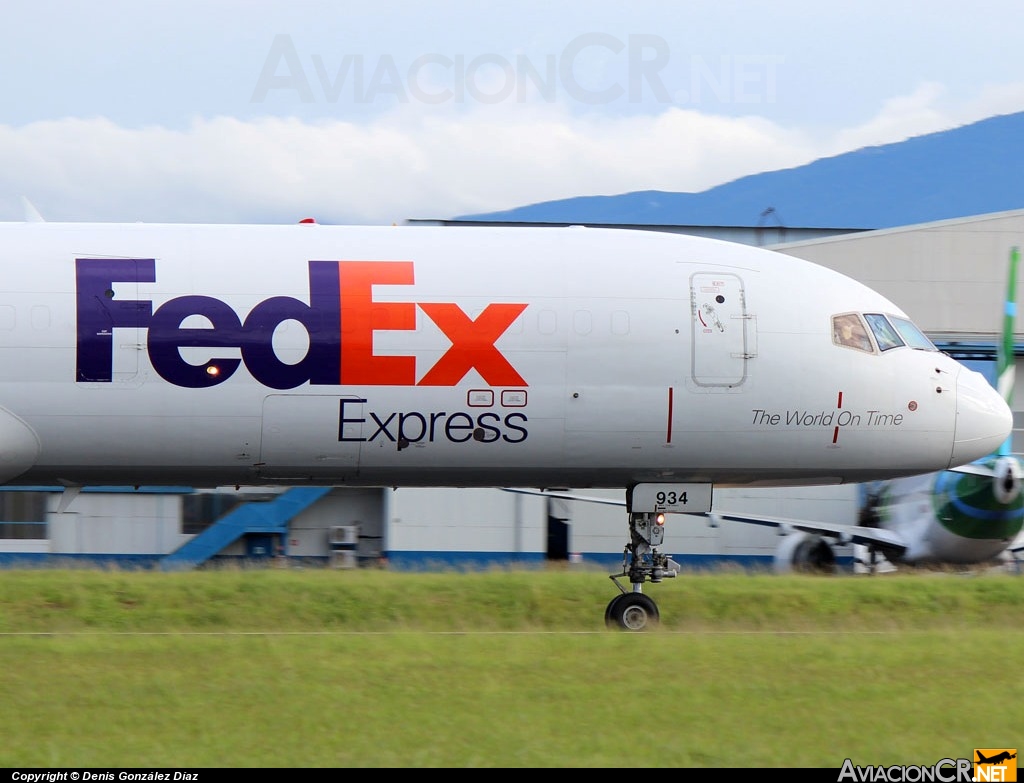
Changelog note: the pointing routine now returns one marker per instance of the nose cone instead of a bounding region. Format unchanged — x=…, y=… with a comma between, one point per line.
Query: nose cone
x=983, y=419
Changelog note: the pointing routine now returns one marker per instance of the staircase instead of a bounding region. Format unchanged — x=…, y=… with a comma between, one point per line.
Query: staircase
x=270, y=516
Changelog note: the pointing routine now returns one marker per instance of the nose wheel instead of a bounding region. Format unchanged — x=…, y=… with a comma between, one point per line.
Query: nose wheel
x=632, y=612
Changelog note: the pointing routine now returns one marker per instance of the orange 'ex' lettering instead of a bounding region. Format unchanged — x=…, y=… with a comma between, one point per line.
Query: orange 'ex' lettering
x=473, y=341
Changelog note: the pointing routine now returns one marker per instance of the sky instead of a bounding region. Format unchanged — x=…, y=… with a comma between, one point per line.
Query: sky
x=373, y=113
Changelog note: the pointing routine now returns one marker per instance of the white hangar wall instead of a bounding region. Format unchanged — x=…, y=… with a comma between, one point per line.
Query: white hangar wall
x=427, y=527
x=146, y=523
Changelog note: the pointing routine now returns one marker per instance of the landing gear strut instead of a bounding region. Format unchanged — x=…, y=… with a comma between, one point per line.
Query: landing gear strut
x=872, y=564
x=641, y=562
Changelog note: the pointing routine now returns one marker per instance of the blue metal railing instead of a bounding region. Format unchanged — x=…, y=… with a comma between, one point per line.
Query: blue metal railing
x=270, y=516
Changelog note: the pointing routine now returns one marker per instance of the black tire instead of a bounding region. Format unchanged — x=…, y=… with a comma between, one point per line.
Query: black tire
x=632, y=612
x=609, y=611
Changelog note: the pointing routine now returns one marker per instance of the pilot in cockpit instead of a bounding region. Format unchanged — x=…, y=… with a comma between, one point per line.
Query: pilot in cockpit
x=849, y=330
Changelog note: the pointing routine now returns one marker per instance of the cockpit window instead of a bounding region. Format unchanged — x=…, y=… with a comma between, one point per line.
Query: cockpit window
x=885, y=335
x=848, y=329
x=913, y=336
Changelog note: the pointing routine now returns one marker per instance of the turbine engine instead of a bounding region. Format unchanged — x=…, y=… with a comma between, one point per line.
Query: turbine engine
x=804, y=553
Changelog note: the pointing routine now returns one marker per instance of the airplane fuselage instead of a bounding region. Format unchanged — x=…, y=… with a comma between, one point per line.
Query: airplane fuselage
x=214, y=355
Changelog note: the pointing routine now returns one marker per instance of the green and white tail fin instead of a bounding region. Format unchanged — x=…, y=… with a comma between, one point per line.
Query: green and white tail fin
x=1005, y=363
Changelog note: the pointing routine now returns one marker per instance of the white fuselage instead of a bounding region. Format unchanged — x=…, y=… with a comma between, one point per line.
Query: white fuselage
x=211, y=355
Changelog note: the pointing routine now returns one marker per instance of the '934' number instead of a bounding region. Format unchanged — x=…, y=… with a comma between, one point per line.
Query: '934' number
x=670, y=498
x=679, y=497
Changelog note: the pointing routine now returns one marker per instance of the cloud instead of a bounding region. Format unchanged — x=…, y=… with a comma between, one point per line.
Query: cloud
x=900, y=118
x=413, y=162
x=927, y=109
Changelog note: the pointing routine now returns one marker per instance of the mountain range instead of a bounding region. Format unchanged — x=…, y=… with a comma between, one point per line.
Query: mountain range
x=970, y=170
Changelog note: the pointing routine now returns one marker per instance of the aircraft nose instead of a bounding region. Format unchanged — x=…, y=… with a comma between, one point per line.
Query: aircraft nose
x=983, y=419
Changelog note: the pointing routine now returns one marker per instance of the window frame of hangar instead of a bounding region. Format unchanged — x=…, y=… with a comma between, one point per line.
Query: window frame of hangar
x=23, y=515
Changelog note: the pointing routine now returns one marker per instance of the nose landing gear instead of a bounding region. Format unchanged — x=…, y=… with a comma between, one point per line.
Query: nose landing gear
x=642, y=562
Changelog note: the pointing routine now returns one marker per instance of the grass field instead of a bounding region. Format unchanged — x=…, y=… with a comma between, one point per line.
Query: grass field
x=311, y=668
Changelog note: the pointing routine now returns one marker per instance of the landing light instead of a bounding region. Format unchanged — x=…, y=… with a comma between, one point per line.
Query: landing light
x=659, y=519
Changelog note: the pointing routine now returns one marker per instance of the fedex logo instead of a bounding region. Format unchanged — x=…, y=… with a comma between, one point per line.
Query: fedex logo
x=340, y=319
